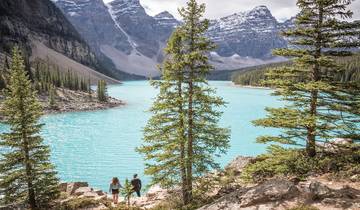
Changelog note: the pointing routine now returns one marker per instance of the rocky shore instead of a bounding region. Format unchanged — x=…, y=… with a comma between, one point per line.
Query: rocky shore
x=72, y=101
x=316, y=192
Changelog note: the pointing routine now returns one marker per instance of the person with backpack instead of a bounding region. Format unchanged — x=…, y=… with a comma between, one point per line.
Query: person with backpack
x=136, y=183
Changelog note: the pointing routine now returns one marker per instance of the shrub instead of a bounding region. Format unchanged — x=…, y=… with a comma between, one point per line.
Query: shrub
x=280, y=161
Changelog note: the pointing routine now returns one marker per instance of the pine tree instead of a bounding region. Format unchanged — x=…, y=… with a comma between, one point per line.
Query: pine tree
x=204, y=138
x=182, y=137
x=164, y=134
x=102, y=91
x=26, y=174
x=89, y=89
x=52, y=96
x=308, y=86
x=127, y=191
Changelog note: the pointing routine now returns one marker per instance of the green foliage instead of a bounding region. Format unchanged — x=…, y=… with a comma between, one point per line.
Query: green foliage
x=295, y=162
x=26, y=174
x=318, y=107
x=102, y=91
x=182, y=137
x=253, y=76
x=127, y=191
x=47, y=75
x=52, y=97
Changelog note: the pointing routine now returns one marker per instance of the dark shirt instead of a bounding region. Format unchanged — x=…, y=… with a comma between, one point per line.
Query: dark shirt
x=136, y=183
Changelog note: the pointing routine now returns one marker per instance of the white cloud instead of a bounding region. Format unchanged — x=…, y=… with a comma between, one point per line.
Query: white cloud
x=281, y=9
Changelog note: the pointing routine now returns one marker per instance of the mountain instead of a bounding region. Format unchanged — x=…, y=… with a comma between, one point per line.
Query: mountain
x=134, y=40
x=249, y=34
x=42, y=31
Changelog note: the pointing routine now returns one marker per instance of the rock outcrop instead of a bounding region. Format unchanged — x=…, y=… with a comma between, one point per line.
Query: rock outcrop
x=285, y=193
x=29, y=24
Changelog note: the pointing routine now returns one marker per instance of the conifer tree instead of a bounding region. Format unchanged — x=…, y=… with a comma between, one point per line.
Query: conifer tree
x=52, y=96
x=312, y=112
x=127, y=191
x=102, y=91
x=26, y=174
x=164, y=135
x=182, y=137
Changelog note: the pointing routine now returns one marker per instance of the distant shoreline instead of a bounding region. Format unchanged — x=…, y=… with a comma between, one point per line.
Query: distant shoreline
x=250, y=86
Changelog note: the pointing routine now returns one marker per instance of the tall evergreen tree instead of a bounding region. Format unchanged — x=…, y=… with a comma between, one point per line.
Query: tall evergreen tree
x=164, y=134
x=102, y=91
x=204, y=138
x=312, y=112
x=182, y=137
x=26, y=174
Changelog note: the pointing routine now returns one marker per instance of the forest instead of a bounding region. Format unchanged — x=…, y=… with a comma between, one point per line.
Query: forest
x=254, y=75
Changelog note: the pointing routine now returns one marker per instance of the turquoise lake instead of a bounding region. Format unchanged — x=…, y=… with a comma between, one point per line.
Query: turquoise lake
x=95, y=146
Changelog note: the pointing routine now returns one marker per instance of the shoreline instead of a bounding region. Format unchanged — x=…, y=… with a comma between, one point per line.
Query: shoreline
x=86, y=107
x=67, y=101
x=250, y=86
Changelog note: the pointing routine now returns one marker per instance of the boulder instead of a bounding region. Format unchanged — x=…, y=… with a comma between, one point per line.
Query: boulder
x=272, y=190
x=73, y=186
x=263, y=196
x=157, y=193
x=342, y=141
x=90, y=194
x=319, y=190
x=82, y=191
x=355, y=178
x=238, y=164
x=99, y=192
x=335, y=144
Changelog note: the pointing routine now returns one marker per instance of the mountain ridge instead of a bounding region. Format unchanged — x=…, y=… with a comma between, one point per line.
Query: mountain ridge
x=243, y=39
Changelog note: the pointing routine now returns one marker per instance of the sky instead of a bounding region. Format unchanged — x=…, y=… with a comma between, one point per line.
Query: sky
x=281, y=9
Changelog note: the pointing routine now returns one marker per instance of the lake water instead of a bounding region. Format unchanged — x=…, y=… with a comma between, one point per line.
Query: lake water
x=95, y=146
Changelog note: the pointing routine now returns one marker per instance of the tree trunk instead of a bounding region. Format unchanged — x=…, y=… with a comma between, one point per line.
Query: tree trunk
x=28, y=168
x=182, y=145
x=190, y=140
x=31, y=192
x=311, y=131
x=310, y=146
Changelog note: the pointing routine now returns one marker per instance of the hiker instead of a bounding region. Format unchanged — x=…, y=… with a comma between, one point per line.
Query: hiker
x=114, y=189
x=136, y=183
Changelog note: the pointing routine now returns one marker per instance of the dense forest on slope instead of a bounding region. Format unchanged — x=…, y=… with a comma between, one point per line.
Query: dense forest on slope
x=252, y=76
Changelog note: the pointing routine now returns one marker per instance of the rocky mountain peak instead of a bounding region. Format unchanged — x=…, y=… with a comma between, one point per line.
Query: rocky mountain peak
x=262, y=9
x=164, y=14
x=166, y=19
x=243, y=39
x=127, y=7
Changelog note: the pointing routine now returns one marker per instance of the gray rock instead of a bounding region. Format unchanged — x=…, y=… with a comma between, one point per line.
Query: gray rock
x=83, y=190
x=73, y=186
x=272, y=190
x=319, y=190
x=238, y=164
x=263, y=196
x=23, y=22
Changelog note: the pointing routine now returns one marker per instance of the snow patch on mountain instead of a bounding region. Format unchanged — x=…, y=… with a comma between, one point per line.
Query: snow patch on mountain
x=235, y=61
